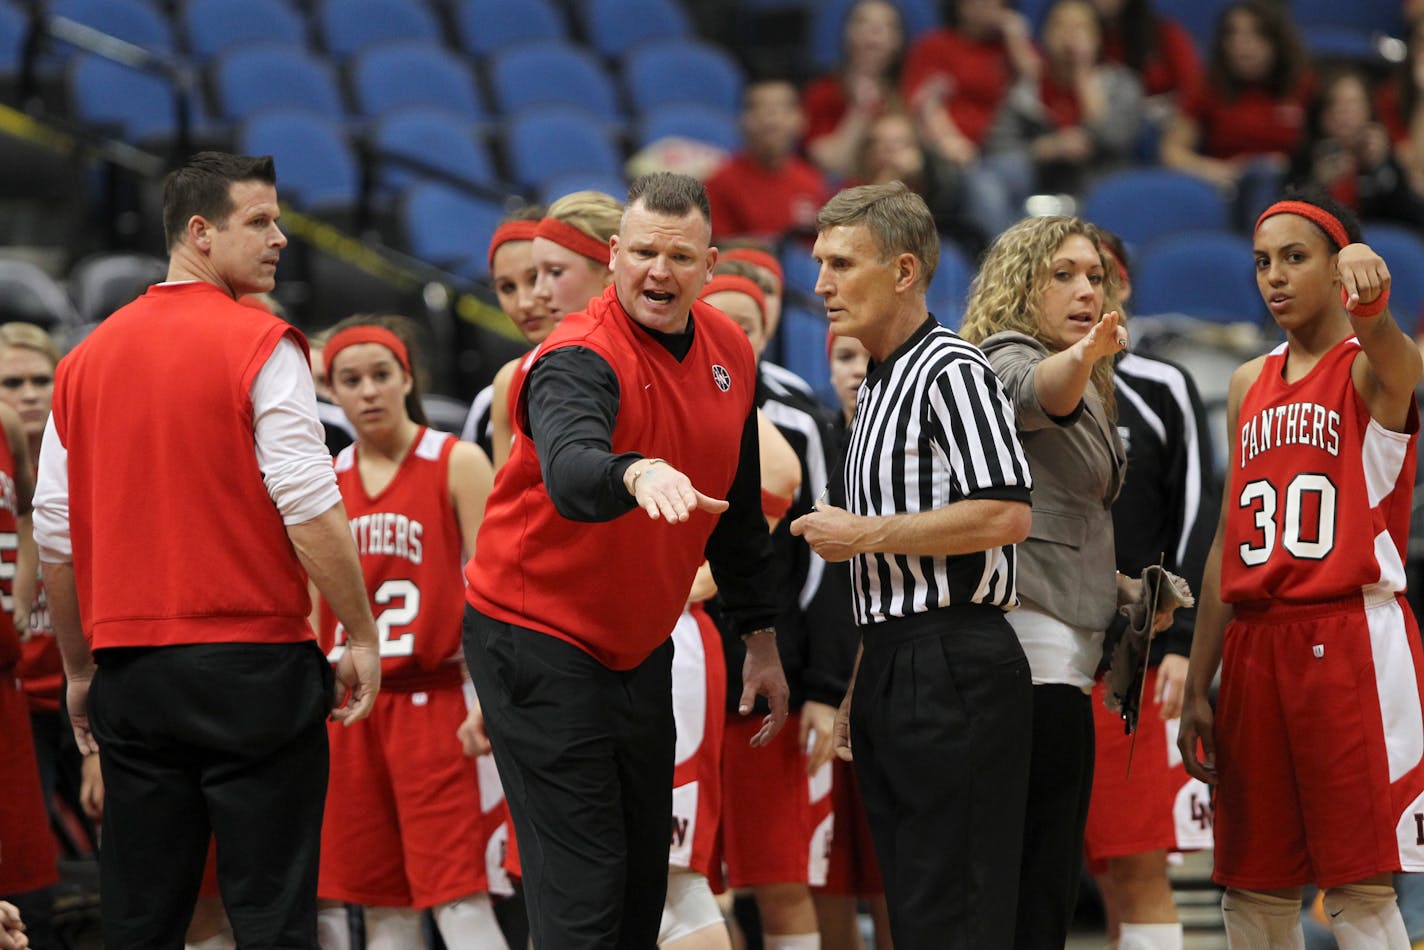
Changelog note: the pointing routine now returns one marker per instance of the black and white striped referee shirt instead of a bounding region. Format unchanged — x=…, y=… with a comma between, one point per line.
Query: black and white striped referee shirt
x=932, y=427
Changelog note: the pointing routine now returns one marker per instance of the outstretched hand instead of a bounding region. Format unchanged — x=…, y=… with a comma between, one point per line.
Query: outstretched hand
x=664, y=492
x=1108, y=337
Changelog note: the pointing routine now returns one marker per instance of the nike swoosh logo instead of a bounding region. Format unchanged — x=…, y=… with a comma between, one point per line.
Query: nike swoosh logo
x=1337, y=913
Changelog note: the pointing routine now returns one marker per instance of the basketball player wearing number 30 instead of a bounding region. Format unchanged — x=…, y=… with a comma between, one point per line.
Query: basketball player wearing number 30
x=1316, y=747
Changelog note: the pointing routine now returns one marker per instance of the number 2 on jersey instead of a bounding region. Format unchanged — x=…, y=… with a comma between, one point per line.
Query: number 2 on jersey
x=1306, y=526
x=389, y=619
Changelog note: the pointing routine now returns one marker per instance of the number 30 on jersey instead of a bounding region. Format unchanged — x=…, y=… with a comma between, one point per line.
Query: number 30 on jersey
x=397, y=604
x=1304, y=524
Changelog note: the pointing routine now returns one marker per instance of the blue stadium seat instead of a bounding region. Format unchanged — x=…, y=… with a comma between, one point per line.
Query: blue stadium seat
x=554, y=188
x=349, y=26
x=549, y=73
x=134, y=21
x=409, y=73
x=544, y=143
x=800, y=269
x=614, y=27
x=212, y=26
x=486, y=26
x=135, y=105
x=1403, y=251
x=14, y=28
x=448, y=228
x=247, y=79
x=1204, y=274
x=1326, y=42
x=1142, y=204
x=665, y=72
x=691, y=120
x=825, y=32
x=1366, y=16
x=317, y=169
x=437, y=137
x=950, y=288
x=803, y=349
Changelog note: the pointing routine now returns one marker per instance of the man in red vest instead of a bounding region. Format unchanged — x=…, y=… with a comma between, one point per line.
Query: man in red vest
x=643, y=401
x=185, y=496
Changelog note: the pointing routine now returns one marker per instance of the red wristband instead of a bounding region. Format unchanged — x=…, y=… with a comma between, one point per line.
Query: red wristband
x=1365, y=310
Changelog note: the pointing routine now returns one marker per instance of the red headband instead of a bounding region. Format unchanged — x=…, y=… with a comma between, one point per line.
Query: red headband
x=566, y=235
x=1324, y=219
x=365, y=333
x=757, y=258
x=735, y=283
x=511, y=231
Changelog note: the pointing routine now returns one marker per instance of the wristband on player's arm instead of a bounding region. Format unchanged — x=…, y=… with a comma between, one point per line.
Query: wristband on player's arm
x=1365, y=310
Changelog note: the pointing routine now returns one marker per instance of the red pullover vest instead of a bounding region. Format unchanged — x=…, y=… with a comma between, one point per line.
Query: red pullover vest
x=175, y=538
x=616, y=588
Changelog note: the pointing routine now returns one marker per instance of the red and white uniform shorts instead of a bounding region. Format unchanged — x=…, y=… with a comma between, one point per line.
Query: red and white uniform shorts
x=699, y=687
x=777, y=822
x=1158, y=806
x=27, y=852
x=852, y=870
x=406, y=822
x=1319, y=744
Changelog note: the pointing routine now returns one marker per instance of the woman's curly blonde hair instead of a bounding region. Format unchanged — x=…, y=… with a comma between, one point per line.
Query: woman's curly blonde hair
x=1007, y=291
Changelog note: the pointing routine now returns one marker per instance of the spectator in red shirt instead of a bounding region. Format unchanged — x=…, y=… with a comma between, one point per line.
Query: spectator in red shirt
x=1347, y=152
x=1157, y=48
x=1252, y=105
x=766, y=190
x=840, y=107
x=1400, y=105
x=955, y=80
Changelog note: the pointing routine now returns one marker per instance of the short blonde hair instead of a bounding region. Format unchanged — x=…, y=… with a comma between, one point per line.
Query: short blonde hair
x=898, y=218
x=27, y=336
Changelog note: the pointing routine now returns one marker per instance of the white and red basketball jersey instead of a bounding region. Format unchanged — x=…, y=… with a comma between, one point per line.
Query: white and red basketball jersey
x=409, y=541
x=1320, y=493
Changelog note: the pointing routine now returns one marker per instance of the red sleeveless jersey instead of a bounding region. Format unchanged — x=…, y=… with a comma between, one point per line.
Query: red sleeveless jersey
x=1320, y=492
x=410, y=546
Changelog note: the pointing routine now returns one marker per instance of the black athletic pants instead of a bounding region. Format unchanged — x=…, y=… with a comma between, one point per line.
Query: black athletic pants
x=214, y=739
x=940, y=725
x=585, y=754
x=1060, y=784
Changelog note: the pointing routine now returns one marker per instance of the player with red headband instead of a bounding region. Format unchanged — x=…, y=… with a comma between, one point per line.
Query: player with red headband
x=512, y=273
x=401, y=789
x=1316, y=747
x=569, y=253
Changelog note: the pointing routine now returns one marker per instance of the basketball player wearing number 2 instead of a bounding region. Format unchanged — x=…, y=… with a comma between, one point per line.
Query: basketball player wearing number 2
x=1316, y=746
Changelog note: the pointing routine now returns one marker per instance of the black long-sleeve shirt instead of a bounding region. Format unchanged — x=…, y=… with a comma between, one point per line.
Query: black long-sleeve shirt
x=572, y=405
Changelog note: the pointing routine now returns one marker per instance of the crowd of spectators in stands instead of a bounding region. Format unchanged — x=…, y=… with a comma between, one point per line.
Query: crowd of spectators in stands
x=990, y=108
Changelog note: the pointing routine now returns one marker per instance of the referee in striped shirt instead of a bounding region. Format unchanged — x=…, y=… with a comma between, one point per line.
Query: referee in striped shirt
x=939, y=710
